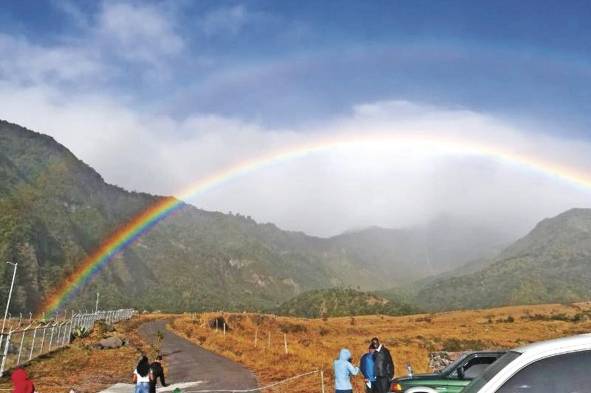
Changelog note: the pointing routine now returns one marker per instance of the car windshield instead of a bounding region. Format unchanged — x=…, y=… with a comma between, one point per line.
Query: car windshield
x=490, y=372
x=452, y=366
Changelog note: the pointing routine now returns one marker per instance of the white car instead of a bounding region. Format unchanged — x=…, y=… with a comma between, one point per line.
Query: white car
x=556, y=366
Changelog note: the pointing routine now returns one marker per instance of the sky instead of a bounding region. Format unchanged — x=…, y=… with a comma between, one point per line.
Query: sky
x=158, y=95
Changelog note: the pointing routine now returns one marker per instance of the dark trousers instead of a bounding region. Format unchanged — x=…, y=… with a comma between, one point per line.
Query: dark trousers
x=382, y=385
x=343, y=391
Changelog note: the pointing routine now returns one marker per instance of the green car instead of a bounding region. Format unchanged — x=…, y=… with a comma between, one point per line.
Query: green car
x=451, y=379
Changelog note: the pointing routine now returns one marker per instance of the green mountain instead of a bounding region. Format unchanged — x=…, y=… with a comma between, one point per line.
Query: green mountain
x=551, y=264
x=55, y=210
x=338, y=302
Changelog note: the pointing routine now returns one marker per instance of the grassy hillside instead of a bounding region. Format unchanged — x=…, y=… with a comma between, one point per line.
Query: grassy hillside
x=337, y=302
x=551, y=264
x=56, y=210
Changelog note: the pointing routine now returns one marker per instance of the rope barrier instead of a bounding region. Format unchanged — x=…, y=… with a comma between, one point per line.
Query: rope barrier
x=254, y=389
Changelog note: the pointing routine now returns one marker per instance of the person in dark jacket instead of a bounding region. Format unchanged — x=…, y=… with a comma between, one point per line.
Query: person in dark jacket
x=366, y=365
x=156, y=372
x=383, y=366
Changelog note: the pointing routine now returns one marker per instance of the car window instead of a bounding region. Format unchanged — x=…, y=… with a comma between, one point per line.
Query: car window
x=491, y=371
x=569, y=373
x=476, y=366
x=452, y=367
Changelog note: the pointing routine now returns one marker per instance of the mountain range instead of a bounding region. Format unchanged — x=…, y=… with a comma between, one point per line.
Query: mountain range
x=551, y=264
x=55, y=210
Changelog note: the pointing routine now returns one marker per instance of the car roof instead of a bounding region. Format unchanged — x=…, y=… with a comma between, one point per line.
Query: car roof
x=490, y=352
x=558, y=345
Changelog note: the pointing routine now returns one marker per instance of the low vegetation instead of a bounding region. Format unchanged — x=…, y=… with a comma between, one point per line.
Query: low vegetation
x=338, y=302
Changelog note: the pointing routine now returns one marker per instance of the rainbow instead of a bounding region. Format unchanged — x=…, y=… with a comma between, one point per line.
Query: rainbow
x=129, y=232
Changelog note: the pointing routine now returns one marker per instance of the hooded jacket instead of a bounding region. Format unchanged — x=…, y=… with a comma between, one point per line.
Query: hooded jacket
x=343, y=369
x=21, y=382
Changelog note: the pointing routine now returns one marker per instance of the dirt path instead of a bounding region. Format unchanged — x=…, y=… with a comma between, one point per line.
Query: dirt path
x=186, y=361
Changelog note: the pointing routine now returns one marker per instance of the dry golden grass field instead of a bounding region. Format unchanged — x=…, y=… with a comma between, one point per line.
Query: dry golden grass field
x=314, y=343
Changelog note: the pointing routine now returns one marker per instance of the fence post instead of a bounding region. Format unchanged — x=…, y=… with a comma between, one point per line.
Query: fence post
x=70, y=330
x=322, y=380
x=43, y=340
x=60, y=336
x=20, y=348
x=33, y=343
x=59, y=331
x=285, y=342
x=51, y=337
x=256, y=334
x=5, y=354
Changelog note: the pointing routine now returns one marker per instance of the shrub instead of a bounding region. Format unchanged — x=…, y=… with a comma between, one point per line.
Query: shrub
x=287, y=327
x=80, y=332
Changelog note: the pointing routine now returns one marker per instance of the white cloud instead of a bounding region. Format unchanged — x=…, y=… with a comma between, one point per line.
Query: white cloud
x=374, y=182
x=25, y=62
x=138, y=32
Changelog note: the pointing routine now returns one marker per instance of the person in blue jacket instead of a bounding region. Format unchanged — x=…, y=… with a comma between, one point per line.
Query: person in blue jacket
x=343, y=369
x=366, y=365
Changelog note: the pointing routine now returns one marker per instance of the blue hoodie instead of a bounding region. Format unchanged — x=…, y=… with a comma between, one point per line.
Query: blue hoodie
x=343, y=369
x=366, y=365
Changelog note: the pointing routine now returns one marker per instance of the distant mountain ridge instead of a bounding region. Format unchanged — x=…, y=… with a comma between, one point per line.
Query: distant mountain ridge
x=551, y=264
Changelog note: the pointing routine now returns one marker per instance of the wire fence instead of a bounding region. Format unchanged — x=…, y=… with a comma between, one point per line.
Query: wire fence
x=20, y=345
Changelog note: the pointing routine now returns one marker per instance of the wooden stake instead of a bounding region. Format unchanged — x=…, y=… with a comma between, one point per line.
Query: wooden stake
x=285, y=342
x=322, y=380
x=256, y=334
x=269, y=340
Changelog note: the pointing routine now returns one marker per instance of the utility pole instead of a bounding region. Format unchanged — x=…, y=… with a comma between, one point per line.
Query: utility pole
x=96, y=306
x=7, y=306
x=9, y=294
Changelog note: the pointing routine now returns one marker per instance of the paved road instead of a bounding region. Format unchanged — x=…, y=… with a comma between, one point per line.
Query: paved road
x=186, y=362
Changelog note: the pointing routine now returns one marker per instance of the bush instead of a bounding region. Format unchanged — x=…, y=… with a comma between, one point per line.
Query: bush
x=80, y=332
x=457, y=345
x=287, y=327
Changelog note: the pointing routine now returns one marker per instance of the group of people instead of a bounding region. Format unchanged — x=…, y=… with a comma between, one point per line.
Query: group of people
x=145, y=375
x=376, y=366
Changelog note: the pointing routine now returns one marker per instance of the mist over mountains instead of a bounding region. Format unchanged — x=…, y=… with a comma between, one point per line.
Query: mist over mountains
x=55, y=210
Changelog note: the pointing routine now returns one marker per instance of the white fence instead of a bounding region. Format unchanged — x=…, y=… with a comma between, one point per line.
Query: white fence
x=20, y=345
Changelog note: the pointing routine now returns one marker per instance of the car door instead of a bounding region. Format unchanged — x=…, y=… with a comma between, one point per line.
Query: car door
x=567, y=373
